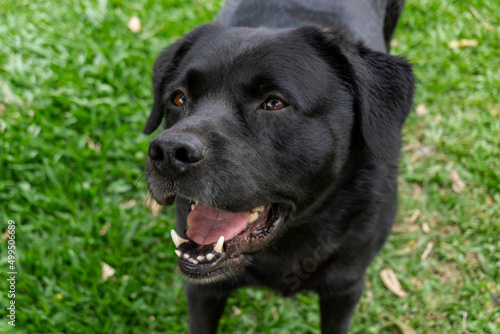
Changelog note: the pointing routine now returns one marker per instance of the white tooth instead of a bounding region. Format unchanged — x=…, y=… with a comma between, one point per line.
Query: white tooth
x=200, y=258
x=194, y=205
x=219, y=244
x=186, y=256
x=178, y=252
x=258, y=209
x=194, y=262
x=253, y=217
x=176, y=239
x=210, y=256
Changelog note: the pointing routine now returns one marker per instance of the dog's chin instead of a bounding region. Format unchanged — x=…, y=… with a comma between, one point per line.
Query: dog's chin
x=211, y=254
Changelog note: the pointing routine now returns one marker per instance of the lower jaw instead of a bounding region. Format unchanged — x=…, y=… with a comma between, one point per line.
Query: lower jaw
x=206, y=274
x=231, y=260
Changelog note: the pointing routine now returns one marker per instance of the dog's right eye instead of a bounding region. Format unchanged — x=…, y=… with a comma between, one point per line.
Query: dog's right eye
x=179, y=99
x=273, y=103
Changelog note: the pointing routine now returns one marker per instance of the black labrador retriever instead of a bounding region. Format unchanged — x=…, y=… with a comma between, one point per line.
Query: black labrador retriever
x=281, y=144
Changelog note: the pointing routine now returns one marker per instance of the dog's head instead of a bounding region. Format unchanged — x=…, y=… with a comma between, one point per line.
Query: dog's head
x=259, y=123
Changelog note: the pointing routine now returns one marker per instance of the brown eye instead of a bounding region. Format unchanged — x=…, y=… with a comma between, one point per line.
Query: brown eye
x=273, y=104
x=179, y=99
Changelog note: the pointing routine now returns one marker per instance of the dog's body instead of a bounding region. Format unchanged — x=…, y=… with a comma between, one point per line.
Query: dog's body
x=288, y=136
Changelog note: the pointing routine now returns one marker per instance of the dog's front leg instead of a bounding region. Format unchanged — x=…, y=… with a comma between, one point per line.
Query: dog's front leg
x=205, y=307
x=337, y=309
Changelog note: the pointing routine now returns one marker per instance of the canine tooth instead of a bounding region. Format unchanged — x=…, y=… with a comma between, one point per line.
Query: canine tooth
x=210, y=256
x=194, y=204
x=178, y=252
x=219, y=244
x=258, y=209
x=176, y=239
x=186, y=256
x=200, y=258
x=253, y=217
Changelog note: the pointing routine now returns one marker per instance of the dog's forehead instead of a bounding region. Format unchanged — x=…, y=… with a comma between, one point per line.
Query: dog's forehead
x=242, y=57
x=234, y=42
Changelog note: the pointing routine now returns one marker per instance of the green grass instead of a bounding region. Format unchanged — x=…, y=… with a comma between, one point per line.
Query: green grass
x=74, y=94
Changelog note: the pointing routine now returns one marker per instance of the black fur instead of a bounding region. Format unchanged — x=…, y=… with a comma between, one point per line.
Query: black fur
x=330, y=156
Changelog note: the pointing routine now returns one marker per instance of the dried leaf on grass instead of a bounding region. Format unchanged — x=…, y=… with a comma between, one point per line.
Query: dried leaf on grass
x=128, y=204
x=236, y=310
x=462, y=43
x=152, y=205
x=417, y=191
x=275, y=313
x=134, y=24
x=92, y=145
x=404, y=328
x=427, y=251
x=7, y=94
x=425, y=228
x=6, y=235
x=107, y=271
x=395, y=42
x=414, y=216
x=464, y=322
x=421, y=110
x=456, y=183
x=419, y=151
x=485, y=23
x=406, y=250
x=105, y=228
x=391, y=282
x=412, y=246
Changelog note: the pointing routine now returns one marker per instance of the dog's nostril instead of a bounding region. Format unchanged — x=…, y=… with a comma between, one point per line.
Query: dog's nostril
x=155, y=152
x=182, y=155
x=188, y=155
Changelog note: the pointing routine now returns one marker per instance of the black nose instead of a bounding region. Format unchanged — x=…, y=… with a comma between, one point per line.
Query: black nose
x=176, y=154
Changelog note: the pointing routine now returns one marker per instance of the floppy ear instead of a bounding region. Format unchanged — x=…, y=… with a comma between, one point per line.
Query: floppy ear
x=383, y=87
x=164, y=70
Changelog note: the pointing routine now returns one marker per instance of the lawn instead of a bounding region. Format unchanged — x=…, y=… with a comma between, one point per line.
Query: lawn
x=75, y=92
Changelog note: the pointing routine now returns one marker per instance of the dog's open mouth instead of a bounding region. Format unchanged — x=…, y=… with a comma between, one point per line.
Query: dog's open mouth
x=213, y=245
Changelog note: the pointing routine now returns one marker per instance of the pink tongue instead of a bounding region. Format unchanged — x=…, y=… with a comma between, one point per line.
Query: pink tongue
x=207, y=224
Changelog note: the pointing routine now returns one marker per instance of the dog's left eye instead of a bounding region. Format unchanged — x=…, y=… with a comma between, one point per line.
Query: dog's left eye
x=273, y=103
x=179, y=99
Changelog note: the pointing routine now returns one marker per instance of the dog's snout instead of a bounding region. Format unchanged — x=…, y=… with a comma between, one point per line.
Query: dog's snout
x=176, y=154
